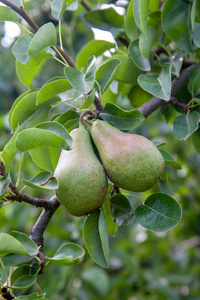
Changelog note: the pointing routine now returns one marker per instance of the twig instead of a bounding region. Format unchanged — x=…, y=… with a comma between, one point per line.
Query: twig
x=42, y=222
x=183, y=106
x=6, y=294
x=84, y=3
x=154, y=103
x=87, y=112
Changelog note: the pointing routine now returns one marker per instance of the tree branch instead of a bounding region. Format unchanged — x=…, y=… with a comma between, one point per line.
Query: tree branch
x=177, y=84
x=38, y=229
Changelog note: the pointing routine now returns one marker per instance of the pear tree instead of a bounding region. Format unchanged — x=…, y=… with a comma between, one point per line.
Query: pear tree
x=80, y=121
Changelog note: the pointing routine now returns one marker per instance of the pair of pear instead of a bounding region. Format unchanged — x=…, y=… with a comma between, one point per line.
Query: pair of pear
x=130, y=161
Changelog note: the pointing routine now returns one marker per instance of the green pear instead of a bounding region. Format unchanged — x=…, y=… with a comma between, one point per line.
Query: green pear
x=81, y=177
x=131, y=161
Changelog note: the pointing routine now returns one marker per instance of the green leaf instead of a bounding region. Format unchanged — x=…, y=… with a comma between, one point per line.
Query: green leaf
x=32, y=297
x=7, y=14
x=194, y=81
x=58, y=7
x=93, y=47
x=43, y=181
x=19, y=272
x=120, y=118
x=69, y=119
x=26, y=241
x=104, y=18
x=23, y=107
x=140, y=12
x=127, y=72
x=196, y=140
x=9, y=151
x=43, y=38
x=130, y=25
x=26, y=72
x=20, y=48
x=169, y=160
x=176, y=22
x=185, y=125
x=45, y=134
x=16, y=259
x=58, y=84
x=137, y=57
x=121, y=210
x=9, y=244
x=164, y=185
x=106, y=73
x=83, y=83
x=196, y=34
x=159, y=213
x=103, y=232
x=93, y=240
x=4, y=184
x=45, y=158
x=158, y=86
x=68, y=255
x=176, y=61
x=23, y=282
x=112, y=226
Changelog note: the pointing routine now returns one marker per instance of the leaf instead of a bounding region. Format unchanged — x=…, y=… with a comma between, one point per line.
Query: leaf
x=103, y=231
x=112, y=226
x=137, y=57
x=41, y=181
x=196, y=34
x=127, y=72
x=45, y=134
x=93, y=240
x=4, y=184
x=120, y=118
x=93, y=47
x=23, y=282
x=68, y=255
x=58, y=7
x=20, y=48
x=7, y=14
x=26, y=72
x=16, y=259
x=106, y=73
x=196, y=140
x=164, y=184
x=159, y=213
x=45, y=158
x=9, y=244
x=32, y=297
x=104, y=18
x=176, y=61
x=43, y=38
x=83, y=83
x=121, y=210
x=194, y=81
x=69, y=119
x=23, y=107
x=176, y=23
x=58, y=84
x=185, y=125
x=9, y=152
x=169, y=160
x=140, y=12
x=130, y=25
x=27, y=242
x=158, y=86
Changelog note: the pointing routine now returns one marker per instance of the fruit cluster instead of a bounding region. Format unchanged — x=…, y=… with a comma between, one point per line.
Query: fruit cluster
x=130, y=161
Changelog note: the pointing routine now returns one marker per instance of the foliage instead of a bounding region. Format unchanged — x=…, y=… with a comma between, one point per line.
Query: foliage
x=149, y=69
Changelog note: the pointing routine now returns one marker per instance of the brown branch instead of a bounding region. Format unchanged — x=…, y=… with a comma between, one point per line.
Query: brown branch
x=21, y=197
x=177, y=84
x=87, y=7
x=42, y=222
x=183, y=106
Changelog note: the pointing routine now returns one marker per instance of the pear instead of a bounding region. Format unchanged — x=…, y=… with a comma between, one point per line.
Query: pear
x=81, y=177
x=131, y=161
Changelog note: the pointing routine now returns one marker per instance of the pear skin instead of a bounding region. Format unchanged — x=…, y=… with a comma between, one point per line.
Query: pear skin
x=131, y=161
x=82, y=179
